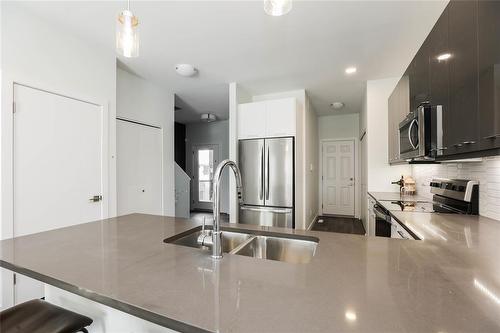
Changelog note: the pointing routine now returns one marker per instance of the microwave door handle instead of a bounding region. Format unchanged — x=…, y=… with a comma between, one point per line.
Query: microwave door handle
x=413, y=122
x=421, y=131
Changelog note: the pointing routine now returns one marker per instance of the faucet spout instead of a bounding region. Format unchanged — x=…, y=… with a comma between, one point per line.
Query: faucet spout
x=217, y=233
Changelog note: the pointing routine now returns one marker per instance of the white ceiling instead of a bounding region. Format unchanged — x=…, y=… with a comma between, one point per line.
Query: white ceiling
x=235, y=41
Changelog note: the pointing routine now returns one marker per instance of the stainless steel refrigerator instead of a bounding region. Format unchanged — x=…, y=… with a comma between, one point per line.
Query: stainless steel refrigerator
x=268, y=172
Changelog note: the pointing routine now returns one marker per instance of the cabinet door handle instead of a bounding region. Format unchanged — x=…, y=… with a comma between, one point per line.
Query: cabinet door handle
x=469, y=142
x=458, y=145
x=494, y=136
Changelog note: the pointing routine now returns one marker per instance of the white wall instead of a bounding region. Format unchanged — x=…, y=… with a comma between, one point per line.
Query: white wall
x=216, y=133
x=363, y=152
x=182, y=193
x=237, y=95
x=338, y=126
x=143, y=101
x=311, y=161
x=342, y=127
x=486, y=172
x=380, y=173
x=37, y=53
x=42, y=55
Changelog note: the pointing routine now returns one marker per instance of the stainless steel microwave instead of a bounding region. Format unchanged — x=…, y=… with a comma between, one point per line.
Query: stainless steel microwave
x=421, y=134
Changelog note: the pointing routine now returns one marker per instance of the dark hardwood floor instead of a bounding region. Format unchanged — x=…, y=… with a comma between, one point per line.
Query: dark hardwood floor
x=346, y=225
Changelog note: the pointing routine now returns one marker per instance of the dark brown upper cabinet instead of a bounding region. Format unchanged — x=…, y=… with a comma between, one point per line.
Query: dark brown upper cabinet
x=419, y=77
x=489, y=73
x=439, y=75
x=462, y=42
x=458, y=67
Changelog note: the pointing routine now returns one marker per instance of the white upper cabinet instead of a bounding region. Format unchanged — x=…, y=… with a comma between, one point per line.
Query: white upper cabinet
x=273, y=118
x=251, y=120
x=280, y=117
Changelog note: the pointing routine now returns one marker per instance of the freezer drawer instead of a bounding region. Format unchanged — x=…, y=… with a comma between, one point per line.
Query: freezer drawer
x=251, y=157
x=266, y=216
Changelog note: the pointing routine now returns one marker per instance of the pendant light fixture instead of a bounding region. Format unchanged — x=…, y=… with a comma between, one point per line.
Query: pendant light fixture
x=127, y=34
x=277, y=7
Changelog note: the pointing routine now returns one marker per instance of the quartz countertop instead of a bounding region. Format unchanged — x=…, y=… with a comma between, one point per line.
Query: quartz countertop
x=395, y=196
x=353, y=283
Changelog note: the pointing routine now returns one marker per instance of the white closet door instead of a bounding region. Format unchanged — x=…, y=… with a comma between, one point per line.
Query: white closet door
x=57, y=168
x=139, y=168
x=58, y=165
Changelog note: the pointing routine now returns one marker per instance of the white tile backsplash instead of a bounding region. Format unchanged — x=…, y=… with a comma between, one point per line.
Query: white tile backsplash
x=486, y=172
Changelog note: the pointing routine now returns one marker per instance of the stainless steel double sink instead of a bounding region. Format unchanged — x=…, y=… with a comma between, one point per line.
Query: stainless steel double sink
x=296, y=249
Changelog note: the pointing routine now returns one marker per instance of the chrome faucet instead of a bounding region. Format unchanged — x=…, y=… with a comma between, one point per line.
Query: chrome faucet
x=216, y=240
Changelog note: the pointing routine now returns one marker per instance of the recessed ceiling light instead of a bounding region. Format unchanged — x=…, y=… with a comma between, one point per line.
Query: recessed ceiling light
x=337, y=105
x=350, y=70
x=444, y=56
x=185, y=70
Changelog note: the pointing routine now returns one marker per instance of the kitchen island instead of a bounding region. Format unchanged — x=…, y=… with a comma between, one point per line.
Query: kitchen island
x=352, y=284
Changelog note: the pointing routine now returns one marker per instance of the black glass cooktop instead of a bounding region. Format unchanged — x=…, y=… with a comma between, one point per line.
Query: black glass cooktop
x=418, y=206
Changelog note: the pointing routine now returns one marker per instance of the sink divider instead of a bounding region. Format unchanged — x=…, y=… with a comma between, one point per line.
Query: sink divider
x=242, y=245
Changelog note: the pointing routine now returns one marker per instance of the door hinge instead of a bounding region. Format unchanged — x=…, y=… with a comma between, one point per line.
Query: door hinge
x=13, y=107
x=15, y=279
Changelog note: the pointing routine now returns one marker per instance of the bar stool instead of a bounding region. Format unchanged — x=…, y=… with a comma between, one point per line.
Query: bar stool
x=39, y=316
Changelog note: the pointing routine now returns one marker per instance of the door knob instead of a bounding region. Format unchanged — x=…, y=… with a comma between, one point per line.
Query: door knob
x=96, y=198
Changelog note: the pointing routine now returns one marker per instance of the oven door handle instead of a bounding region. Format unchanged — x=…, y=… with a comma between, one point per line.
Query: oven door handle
x=381, y=215
x=413, y=122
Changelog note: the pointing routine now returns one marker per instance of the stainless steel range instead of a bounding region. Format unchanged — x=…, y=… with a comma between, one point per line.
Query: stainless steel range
x=451, y=196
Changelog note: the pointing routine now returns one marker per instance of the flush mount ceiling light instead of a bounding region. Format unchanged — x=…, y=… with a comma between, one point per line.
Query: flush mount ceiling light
x=337, y=105
x=350, y=70
x=444, y=56
x=208, y=117
x=127, y=34
x=186, y=70
x=277, y=7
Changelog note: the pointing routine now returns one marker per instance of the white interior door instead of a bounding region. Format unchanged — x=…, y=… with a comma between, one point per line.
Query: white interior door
x=58, y=166
x=139, y=168
x=338, y=177
x=205, y=160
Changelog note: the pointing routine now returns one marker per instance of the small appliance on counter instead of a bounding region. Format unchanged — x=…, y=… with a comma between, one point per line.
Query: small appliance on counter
x=407, y=185
x=451, y=196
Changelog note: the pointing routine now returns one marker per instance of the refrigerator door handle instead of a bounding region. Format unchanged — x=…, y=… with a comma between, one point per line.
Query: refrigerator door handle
x=272, y=210
x=261, y=189
x=267, y=174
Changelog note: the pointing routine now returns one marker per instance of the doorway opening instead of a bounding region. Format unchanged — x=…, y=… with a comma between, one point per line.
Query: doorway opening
x=205, y=159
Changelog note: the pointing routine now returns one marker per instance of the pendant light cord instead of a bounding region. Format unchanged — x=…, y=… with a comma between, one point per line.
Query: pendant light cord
x=128, y=5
